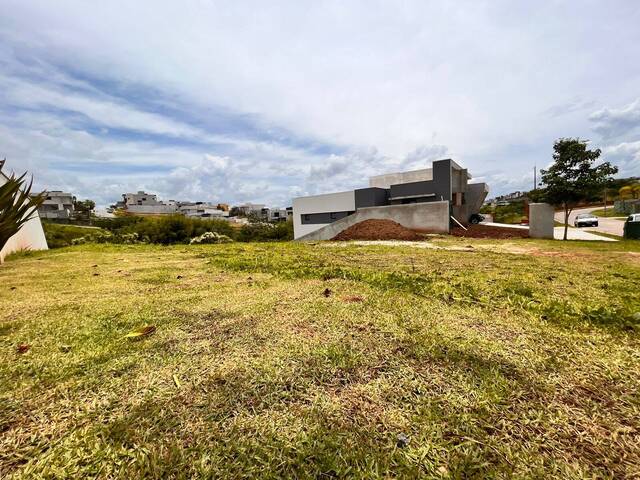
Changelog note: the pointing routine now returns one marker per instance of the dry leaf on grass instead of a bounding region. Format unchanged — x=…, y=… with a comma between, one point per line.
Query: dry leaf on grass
x=353, y=299
x=141, y=332
x=23, y=348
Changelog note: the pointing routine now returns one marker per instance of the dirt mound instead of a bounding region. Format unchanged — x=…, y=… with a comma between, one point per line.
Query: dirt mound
x=378, y=230
x=486, y=231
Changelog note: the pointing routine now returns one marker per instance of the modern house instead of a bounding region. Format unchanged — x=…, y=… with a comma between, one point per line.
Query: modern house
x=430, y=197
x=57, y=204
x=29, y=237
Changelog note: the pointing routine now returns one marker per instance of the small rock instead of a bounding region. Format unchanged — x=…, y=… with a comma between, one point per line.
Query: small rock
x=23, y=348
x=326, y=292
x=402, y=440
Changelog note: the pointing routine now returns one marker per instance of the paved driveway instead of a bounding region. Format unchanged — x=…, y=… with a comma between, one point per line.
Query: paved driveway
x=558, y=232
x=612, y=226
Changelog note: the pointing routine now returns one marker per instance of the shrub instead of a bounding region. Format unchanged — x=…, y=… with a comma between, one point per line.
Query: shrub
x=210, y=237
x=265, y=232
x=59, y=236
x=105, y=237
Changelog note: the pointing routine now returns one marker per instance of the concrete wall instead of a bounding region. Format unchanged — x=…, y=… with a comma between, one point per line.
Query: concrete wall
x=388, y=179
x=541, y=220
x=432, y=217
x=152, y=209
x=331, y=202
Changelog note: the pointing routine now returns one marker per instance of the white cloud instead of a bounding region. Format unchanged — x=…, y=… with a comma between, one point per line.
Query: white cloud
x=384, y=86
x=614, y=122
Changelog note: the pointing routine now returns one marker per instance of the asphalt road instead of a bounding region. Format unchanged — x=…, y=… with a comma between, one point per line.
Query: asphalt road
x=612, y=226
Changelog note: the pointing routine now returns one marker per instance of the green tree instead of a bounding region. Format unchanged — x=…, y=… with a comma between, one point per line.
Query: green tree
x=84, y=208
x=17, y=206
x=573, y=178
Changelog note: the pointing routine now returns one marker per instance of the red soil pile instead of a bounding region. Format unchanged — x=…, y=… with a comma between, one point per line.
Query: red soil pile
x=486, y=231
x=378, y=230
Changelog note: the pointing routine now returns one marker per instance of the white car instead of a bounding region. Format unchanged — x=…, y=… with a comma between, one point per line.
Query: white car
x=585, y=220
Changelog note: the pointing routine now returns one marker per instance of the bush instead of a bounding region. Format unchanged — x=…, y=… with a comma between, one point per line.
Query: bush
x=100, y=237
x=266, y=232
x=59, y=236
x=210, y=237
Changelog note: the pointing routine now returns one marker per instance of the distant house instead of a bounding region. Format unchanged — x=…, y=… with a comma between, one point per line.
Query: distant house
x=29, y=237
x=57, y=204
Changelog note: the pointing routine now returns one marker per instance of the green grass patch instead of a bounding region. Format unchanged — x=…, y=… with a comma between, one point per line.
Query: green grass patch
x=610, y=213
x=285, y=360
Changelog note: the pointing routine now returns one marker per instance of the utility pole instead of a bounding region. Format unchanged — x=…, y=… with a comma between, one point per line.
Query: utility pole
x=535, y=177
x=605, y=201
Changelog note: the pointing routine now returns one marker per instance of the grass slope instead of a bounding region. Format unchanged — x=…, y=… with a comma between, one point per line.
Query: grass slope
x=494, y=359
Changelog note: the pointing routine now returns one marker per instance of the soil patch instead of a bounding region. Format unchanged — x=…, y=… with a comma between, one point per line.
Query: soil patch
x=378, y=230
x=486, y=231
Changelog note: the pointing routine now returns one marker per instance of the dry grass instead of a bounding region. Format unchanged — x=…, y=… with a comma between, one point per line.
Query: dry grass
x=493, y=364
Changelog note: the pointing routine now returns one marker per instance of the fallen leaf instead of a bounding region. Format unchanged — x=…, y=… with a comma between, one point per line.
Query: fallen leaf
x=94, y=266
x=326, y=292
x=13, y=288
x=141, y=332
x=23, y=348
x=353, y=299
x=96, y=274
x=179, y=277
x=176, y=381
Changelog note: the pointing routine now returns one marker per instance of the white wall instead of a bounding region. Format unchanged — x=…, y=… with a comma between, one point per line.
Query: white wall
x=331, y=202
x=29, y=237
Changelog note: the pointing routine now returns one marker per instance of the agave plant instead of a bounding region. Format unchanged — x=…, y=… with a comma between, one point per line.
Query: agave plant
x=17, y=206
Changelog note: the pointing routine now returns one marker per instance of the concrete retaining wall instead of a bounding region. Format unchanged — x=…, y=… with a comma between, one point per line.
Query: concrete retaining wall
x=431, y=216
x=541, y=220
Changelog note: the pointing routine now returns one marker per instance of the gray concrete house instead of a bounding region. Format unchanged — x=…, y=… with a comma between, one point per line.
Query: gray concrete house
x=420, y=199
x=57, y=204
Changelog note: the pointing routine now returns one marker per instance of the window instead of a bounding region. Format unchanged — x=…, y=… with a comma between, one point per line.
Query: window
x=306, y=218
x=333, y=215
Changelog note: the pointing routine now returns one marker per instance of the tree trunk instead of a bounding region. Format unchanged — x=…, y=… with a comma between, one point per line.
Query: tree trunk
x=566, y=220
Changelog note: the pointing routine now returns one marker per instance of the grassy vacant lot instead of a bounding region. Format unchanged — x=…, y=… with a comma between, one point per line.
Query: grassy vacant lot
x=498, y=359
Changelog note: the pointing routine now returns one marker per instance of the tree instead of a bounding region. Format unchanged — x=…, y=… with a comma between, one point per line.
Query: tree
x=572, y=177
x=17, y=206
x=625, y=192
x=84, y=208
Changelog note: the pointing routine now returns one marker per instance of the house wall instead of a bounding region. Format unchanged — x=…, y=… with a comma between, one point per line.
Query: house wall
x=431, y=217
x=29, y=237
x=371, y=197
x=332, y=202
x=388, y=179
x=152, y=209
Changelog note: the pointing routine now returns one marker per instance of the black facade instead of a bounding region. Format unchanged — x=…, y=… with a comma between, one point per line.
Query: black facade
x=320, y=218
x=371, y=197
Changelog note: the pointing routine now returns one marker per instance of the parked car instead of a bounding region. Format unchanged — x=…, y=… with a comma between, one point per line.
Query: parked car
x=476, y=218
x=585, y=220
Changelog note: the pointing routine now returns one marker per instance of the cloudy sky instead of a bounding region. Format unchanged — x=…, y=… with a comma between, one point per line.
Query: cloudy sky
x=263, y=101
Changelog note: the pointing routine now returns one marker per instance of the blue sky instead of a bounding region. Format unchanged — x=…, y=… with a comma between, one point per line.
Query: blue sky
x=254, y=101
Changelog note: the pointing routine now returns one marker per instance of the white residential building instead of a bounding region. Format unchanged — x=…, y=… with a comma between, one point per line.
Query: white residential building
x=57, y=204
